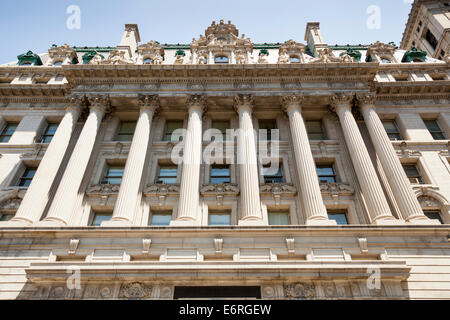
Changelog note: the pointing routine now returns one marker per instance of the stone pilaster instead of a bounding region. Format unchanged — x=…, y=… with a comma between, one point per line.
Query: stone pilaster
x=400, y=185
x=374, y=197
x=192, y=157
x=251, y=213
x=63, y=204
x=310, y=195
x=37, y=196
x=131, y=181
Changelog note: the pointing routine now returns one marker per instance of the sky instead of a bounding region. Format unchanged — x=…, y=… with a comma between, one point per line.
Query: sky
x=38, y=24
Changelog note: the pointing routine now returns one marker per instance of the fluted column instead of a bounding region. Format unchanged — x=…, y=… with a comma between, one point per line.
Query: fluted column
x=132, y=177
x=370, y=185
x=192, y=157
x=251, y=213
x=401, y=187
x=37, y=196
x=310, y=194
x=63, y=204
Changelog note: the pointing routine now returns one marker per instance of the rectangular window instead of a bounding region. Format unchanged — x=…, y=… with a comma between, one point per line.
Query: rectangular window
x=49, y=133
x=279, y=217
x=167, y=174
x=126, y=131
x=431, y=39
x=434, y=215
x=171, y=126
x=222, y=126
x=268, y=125
x=27, y=177
x=315, y=130
x=113, y=175
x=413, y=174
x=220, y=174
x=161, y=218
x=99, y=217
x=392, y=130
x=273, y=175
x=340, y=216
x=219, y=218
x=326, y=174
x=435, y=130
x=6, y=216
x=7, y=132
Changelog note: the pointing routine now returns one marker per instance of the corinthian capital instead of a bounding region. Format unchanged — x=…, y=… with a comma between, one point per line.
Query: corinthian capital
x=76, y=102
x=99, y=100
x=292, y=101
x=366, y=99
x=241, y=100
x=197, y=100
x=149, y=101
x=341, y=99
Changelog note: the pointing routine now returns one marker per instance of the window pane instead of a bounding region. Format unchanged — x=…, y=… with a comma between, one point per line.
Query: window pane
x=272, y=176
x=315, y=130
x=161, y=218
x=6, y=217
x=340, y=218
x=51, y=129
x=167, y=175
x=434, y=215
x=113, y=175
x=434, y=129
x=29, y=173
x=221, y=125
x=279, y=219
x=219, y=219
x=411, y=171
x=9, y=129
x=171, y=126
x=325, y=171
x=99, y=218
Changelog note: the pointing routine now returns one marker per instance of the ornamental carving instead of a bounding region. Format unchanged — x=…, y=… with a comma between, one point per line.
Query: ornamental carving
x=64, y=54
x=135, y=290
x=153, y=51
x=341, y=99
x=381, y=50
x=300, y=291
x=103, y=189
x=277, y=191
x=99, y=100
x=291, y=49
x=366, y=99
x=326, y=55
x=116, y=57
x=220, y=191
x=263, y=58
x=429, y=202
x=11, y=204
x=97, y=59
x=405, y=152
x=336, y=188
x=162, y=191
x=243, y=100
x=293, y=99
x=150, y=101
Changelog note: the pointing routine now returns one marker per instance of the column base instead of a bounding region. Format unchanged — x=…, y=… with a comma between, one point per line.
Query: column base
x=388, y=222
x=116, y=223
x=50, y=223
x=251, y=223
x=320, y=222
x=184, y=223
x=422, y=221
x=16, y=223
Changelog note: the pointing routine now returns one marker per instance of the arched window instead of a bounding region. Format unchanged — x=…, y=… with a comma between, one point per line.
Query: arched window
x=431, y=207
x=221, y=60
x=147, y=61
x=58, y=63
x=385, y=60
x=295, y=59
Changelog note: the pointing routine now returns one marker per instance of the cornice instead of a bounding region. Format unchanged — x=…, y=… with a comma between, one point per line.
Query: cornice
x=412, y=89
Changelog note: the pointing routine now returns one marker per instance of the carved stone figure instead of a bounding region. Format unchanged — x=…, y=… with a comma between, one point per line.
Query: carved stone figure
x=240, y=57
x=263, y=59
x=179, y=59
x=135, y=290
x=97, y=59
x=300, y=291
x=283, y=58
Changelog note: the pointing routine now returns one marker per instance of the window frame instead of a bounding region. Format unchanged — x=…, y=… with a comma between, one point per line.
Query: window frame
x=156, y=213
x=438, y=213
x=338, y=212
x=274, y=178
x=327, y=166
x=418, y=177
x=437, y=134
x=106, y=176
x=121, y=133
x=46, y=135
x=225, y=212
x=322, y=132
x=95, y=213
x=285, y=212
x=167, y=137
x=269, y=131
x=397, y=133
x=227, y=61
x=161, y=178
x=219, y=167
x=4, y=131
x=24, y=179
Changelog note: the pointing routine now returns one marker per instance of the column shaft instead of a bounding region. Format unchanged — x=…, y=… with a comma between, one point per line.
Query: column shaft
x=131, y=181
x=372, y=191
x=37, y=196
x=251, y=213
x=310, y=194
x=400, y=185
x=61, y=209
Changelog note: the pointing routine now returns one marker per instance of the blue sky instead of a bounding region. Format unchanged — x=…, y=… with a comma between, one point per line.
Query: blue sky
x=37, y=24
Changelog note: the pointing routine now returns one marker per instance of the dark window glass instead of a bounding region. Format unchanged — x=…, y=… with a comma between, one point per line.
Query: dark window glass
x=6, y=217
x=219, y=218
x=385, y=60
x=7, y=132
x=27, y=177
x=295, y=59
x=161, y=218
x=272, y=175
x=315, y=130
x=340, y=216
x=49, y=133
x=431, y=39
x=220, y=174
x=167, y=174
x=268, y=125
x=413, y=174
x=171, y=126
x=99, y=217
x=392, y=130
x=222, y=126
x=326, y=174
x=434, y=215
x=113, y=175
x=126, y=131
x=279, y=218
x=434, y=129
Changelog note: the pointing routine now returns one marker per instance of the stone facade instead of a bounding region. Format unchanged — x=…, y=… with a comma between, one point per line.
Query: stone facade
x=370, y=229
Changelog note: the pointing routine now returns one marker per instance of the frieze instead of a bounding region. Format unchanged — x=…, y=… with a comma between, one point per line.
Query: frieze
x=103, y=189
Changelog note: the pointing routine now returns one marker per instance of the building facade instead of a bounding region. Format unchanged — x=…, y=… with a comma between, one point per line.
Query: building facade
x=225, y=169
x=428, y=28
